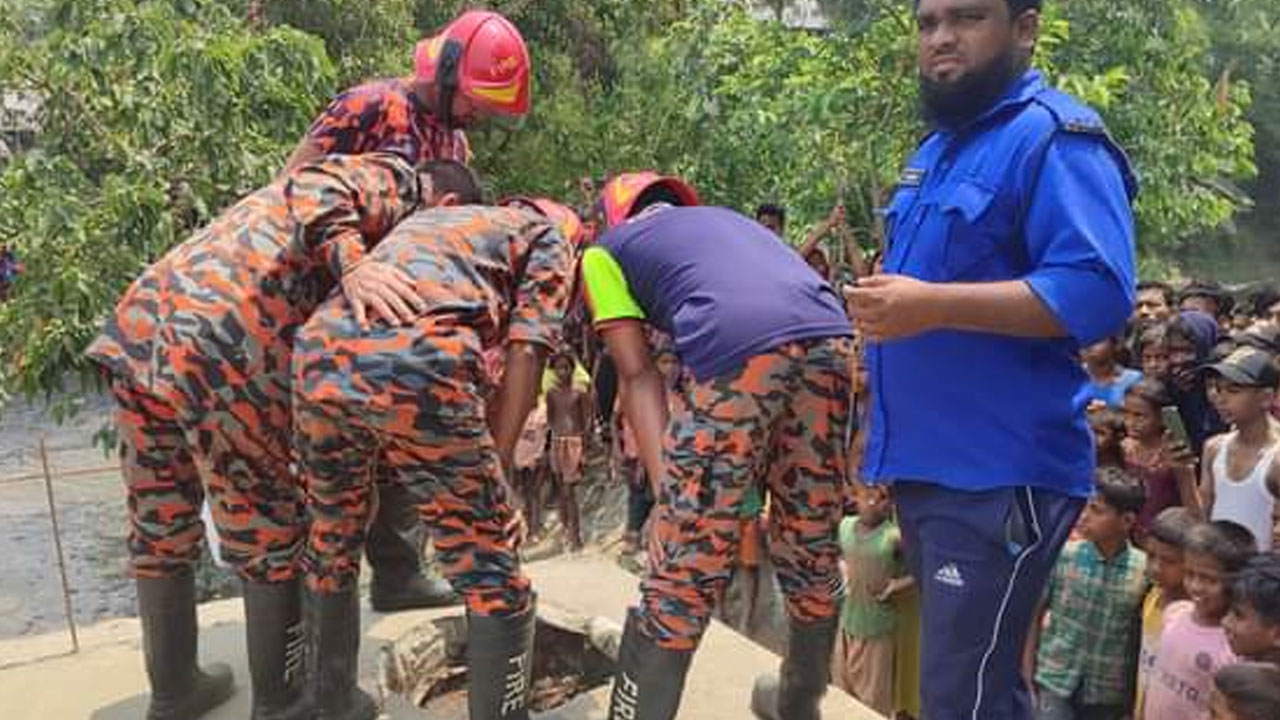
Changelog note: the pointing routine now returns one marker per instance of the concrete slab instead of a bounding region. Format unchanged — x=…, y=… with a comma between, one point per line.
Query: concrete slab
x=723, y=670
x=106, y=681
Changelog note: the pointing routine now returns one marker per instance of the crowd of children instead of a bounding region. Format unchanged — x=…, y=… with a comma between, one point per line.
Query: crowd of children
x=1165, y=605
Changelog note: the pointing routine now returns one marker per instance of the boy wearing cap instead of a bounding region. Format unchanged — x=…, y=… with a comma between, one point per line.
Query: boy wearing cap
x=1241, y=479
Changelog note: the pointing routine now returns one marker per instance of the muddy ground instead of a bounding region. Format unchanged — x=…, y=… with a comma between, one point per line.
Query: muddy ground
x=90, y=514
x=91, y=517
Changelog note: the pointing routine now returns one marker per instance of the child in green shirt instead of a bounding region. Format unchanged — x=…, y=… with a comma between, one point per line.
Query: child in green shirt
x=874, y=574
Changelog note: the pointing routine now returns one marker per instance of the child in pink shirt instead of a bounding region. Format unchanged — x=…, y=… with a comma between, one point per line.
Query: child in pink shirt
x=1193, y=645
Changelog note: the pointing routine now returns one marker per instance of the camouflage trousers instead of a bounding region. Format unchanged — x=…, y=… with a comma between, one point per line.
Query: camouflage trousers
x=780, y=421
x=171, y=458
x=449, y=466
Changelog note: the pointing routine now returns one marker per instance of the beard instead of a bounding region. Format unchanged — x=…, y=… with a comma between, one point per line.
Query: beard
x=954, y=103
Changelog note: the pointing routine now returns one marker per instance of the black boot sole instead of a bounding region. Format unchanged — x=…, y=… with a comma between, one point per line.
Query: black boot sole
x=212, y=689
x=302, y=711
x=363, y=708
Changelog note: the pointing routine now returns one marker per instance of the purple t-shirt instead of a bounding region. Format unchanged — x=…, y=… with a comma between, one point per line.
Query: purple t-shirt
x=724, y=287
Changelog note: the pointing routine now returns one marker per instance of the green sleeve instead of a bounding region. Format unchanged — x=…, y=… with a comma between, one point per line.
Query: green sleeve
x=608, y=295
x=845, y=533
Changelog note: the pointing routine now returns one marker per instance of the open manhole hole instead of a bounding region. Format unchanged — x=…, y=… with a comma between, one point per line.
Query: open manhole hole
x=572, y=655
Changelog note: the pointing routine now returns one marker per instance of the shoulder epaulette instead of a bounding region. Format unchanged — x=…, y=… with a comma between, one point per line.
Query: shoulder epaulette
x=1079, y=127
x=1071, y=115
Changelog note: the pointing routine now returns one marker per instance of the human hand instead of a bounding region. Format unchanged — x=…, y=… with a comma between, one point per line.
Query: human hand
x=891, y=590
x=890, y=307
x=388, y=290
x=837, y=216
x=1177, y=456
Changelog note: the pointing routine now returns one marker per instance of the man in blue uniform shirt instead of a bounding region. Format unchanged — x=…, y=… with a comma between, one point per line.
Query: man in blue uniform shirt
x=1010, y=247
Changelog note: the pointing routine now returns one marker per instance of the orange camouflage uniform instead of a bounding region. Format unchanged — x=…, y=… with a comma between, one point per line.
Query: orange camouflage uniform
x=386, y=116
x=411, y=398
x=779, y=423
x=198, y=353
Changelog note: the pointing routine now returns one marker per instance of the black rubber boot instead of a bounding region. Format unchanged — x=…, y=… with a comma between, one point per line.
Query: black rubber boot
x=394, y=549
x=796, y=691
x=392, y=594
x=500, y=665
x=335, y=656
x=180, y=690
x=650, y=679
x=277, y=642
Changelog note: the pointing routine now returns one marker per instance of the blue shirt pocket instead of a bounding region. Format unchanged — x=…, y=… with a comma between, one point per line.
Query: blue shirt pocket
x=904, y=198
x=979, y=230
x=896, y=225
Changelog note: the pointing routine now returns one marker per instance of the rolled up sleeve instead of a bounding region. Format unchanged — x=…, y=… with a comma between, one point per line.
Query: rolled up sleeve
x=345, y=204
x=1080, y=236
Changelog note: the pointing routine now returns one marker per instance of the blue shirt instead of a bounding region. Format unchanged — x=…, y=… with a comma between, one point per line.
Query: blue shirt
x=1033, y=190
x=1113, y=392
x=722, y=285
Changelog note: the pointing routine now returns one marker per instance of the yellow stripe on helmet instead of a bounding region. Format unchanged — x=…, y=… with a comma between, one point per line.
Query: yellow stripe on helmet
x=503, y=95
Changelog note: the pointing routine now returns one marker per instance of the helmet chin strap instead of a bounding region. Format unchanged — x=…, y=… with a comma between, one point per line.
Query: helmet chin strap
x=447, y=81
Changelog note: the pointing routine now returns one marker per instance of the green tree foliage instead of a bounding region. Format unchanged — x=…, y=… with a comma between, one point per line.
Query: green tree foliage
x=1188, y=137
x=158, y=113
x=155, y=115
x=753, y=111
x=594, y=62
x=798, y=118
x=856, y=15
x=365, y=38
x=1246, y=46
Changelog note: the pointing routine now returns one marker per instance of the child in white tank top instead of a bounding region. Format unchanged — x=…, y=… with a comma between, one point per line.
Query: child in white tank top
x=1241, y=479
x=1250, y=500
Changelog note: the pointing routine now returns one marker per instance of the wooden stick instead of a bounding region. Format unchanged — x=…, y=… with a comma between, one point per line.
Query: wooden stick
x=57, y=546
